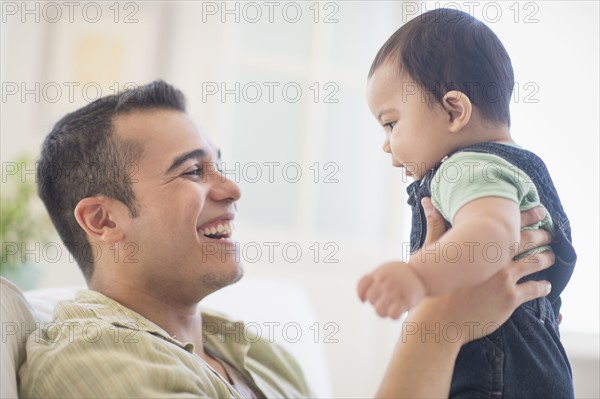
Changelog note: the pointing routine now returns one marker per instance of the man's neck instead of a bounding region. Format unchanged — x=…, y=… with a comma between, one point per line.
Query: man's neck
x=181, y=320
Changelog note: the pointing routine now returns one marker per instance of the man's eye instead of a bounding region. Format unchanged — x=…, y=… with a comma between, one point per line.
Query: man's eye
x=389, y=125
x=197, y=171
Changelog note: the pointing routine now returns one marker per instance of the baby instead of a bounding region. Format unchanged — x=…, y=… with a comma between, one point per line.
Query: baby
x=441, y=87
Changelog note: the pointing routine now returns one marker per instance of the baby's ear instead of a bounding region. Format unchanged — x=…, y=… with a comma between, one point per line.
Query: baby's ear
x=459, y=108
x=102, y=218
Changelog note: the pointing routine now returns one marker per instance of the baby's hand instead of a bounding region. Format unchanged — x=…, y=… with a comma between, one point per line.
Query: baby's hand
x=392, y=289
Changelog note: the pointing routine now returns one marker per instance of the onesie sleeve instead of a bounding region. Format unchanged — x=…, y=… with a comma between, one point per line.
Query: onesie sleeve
x=467, y=176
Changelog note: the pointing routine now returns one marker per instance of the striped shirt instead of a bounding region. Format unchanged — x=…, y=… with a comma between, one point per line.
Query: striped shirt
x=95, y=347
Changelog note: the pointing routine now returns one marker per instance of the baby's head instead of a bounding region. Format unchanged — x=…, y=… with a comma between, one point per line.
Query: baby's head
x=440, y=82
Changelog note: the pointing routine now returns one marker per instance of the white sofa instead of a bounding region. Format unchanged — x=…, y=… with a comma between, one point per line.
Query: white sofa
x=279, y=310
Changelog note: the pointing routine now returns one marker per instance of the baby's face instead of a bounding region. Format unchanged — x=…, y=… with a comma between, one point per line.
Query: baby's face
x=416, y=134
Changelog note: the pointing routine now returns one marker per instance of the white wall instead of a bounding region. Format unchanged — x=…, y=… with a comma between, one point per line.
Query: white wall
x=554, y=48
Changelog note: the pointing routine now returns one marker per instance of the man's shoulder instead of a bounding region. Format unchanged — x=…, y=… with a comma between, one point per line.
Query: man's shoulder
x=93, y=348
x=88, y=326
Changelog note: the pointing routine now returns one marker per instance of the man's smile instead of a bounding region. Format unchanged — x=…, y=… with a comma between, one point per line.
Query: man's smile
x=219, y=228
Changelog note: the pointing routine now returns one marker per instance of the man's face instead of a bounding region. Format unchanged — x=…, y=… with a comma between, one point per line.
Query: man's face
x=414, y=130
x=186, y=207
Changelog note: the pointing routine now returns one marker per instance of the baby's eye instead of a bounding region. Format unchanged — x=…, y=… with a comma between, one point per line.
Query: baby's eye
x=389, y=125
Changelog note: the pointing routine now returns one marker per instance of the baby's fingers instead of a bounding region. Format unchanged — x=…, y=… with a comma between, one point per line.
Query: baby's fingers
x=396, y=310
x=382, y=305
x=363, y=286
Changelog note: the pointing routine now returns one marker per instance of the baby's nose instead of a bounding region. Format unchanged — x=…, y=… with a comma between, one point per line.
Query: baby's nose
x=386, y=147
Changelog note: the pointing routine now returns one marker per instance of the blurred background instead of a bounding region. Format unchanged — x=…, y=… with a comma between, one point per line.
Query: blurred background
x=280, y=87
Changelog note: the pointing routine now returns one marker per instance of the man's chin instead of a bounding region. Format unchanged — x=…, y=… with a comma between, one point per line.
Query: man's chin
x=213, y=282
x=239, y=275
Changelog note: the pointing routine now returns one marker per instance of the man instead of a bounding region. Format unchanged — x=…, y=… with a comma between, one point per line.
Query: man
x=131, y=185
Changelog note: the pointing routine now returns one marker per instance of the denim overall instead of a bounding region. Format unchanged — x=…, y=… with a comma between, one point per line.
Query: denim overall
x=524, y=358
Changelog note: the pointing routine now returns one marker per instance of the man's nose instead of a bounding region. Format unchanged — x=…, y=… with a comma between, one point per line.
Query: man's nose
x=225, y=189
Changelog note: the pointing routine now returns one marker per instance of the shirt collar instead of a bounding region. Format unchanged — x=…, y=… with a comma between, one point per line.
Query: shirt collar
x=223, y=336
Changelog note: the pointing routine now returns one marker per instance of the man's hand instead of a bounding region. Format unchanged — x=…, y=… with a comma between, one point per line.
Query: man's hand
x=436, y=225
x=422, y=365
x=492, y=302
x=392, y=289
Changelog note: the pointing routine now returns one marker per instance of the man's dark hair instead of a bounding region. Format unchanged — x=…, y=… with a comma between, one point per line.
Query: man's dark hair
x=446, y=49
x=81, y=157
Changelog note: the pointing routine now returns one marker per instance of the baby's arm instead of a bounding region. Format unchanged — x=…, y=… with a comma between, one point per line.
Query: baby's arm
x=472, y=251
x=478, y=245
x=483, y=208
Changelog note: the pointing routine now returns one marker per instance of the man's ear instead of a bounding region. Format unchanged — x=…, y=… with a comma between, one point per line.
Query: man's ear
x=101, y=218
x=459, y=108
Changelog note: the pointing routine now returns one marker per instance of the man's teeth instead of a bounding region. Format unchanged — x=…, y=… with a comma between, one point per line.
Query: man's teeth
x=221, y=230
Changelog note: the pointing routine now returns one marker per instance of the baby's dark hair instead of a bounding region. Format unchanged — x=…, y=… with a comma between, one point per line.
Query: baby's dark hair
x=446, y=49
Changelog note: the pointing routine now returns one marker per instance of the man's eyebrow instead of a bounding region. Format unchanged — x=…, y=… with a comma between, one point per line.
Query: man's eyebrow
x=194, y=154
